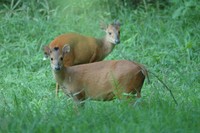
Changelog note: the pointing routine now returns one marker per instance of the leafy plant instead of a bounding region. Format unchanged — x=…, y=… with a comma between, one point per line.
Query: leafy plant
x=166, y=45
x=13, y=8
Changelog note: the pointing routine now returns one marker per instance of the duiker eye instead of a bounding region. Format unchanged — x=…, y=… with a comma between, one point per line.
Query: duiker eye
x=51, y=58
x=61, y=58
x=109, y=33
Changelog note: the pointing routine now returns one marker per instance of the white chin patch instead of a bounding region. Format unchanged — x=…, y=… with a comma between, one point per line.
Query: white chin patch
x=111, y=41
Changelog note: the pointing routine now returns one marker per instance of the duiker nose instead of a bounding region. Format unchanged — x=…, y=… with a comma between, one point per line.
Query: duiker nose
x=117, y=41
x=57, y=68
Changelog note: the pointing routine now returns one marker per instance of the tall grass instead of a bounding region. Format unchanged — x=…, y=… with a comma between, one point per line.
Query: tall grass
x=165, y=40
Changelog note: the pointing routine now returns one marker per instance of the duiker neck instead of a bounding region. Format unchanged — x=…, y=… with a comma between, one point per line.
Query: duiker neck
x=59, y=75
x=107, y=46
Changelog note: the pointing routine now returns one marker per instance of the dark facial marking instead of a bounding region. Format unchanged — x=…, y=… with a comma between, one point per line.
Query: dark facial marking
x=56, y=48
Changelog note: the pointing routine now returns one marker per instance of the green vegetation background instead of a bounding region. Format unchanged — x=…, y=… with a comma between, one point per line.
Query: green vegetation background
x=162, y=35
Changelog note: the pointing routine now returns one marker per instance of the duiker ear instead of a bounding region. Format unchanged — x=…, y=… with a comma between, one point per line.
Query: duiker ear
x=66, y=49
x=103, y=26
x=116, y=22
x=46, y=51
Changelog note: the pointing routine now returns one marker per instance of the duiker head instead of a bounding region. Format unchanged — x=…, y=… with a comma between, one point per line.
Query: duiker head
x=56, y=56
x=112, y=32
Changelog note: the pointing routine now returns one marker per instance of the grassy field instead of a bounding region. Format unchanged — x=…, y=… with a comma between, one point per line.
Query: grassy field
x=166, y=41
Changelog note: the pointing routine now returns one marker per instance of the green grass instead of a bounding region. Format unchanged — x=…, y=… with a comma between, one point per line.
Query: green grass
x=166, y=41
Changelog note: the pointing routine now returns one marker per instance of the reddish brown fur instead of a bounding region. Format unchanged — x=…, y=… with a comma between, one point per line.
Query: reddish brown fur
x=102, y=80
x=86, y=49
